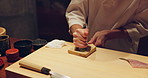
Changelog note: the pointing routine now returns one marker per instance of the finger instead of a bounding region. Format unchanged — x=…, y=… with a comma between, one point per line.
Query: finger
x=80, y=45
x=92, y=40
x=79, y=41
x=83, y=32
x=100, y=42
x=74, y=34
x=86, y=32
x=77, y=35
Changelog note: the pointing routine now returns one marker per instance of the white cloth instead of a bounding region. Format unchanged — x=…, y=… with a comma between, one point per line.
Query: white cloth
x=112, y=14
x=55, y=43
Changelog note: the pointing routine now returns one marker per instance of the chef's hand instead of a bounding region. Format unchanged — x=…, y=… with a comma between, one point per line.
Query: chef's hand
x=79, y=38
x=100, y=38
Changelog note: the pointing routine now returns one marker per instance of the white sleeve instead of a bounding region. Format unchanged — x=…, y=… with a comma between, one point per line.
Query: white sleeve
x=140, y=28
x=76, y=12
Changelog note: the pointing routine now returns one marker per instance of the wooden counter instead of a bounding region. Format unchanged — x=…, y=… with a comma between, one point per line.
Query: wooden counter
x=103, y=63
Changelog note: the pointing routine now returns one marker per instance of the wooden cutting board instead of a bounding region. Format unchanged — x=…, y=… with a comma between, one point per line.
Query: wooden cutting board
x=103, y=63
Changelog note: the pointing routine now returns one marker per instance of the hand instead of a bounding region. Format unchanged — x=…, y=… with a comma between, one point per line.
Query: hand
x=100, y=38
x=79, y=38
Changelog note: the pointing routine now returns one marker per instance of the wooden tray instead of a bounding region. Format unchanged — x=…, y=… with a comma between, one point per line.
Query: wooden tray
x=82, y=54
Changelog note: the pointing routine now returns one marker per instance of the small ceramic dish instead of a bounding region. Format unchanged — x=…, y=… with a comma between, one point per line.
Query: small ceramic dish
x=38, y=43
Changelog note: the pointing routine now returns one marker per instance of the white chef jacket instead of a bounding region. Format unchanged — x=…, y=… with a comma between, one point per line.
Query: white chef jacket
x=100, y=15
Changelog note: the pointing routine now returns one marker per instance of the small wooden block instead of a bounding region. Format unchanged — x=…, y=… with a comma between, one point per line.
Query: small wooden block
x=83, y=54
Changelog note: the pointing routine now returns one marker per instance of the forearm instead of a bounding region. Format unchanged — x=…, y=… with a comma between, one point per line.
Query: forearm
x=76, y=14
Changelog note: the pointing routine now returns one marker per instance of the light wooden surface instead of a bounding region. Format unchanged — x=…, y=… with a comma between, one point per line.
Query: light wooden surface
x=103, y=63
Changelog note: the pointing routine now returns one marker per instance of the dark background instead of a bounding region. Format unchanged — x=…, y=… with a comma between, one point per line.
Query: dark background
x=51, y=19
x=32, y=19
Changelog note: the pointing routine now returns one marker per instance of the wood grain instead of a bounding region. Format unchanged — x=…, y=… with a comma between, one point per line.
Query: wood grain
x=103, y=63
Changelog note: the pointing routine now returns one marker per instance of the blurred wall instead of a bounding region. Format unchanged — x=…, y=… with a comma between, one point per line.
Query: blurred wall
x=19, y=18
x=52, y=23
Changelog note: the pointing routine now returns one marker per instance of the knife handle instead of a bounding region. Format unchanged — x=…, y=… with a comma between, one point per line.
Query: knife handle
x=35, y=67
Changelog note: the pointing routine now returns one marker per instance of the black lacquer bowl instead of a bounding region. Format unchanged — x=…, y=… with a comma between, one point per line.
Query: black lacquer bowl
x=24, y=47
